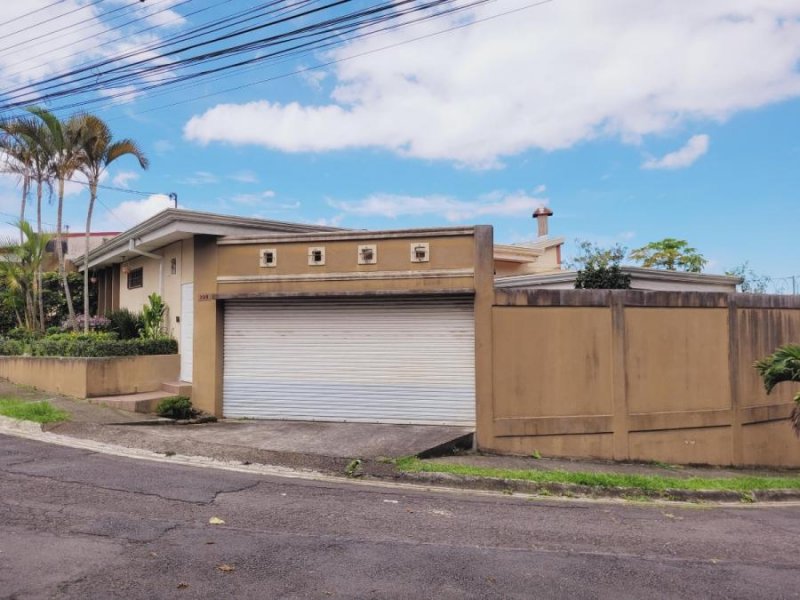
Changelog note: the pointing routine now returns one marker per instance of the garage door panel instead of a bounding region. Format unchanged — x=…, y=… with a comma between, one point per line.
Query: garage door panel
x=375, y=361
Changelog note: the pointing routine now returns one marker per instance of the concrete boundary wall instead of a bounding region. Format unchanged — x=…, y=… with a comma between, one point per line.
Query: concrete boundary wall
x=91, y=377
x=632, y=375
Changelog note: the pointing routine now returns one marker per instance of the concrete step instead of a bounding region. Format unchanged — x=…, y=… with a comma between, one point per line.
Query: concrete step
x=145, y=402
x=177, y=388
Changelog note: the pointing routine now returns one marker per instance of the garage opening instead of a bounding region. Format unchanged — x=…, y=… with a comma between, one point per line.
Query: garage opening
x=371, y=360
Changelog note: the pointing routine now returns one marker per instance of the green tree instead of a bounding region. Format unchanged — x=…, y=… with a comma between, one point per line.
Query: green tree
x=29, y=134
x=18, y=273
x=599, y=268
x=18, y=158
x=62, y=140
x=780, y=366
x=99, y=151
x=752, y=282
x=670, y=254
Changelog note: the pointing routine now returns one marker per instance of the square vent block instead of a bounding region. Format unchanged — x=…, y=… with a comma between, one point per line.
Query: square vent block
x=368, y=254
x=420, y=252
x=316, y=256
x=269, y=257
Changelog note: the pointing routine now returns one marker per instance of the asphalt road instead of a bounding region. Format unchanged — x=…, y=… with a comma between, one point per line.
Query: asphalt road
x=75, y=524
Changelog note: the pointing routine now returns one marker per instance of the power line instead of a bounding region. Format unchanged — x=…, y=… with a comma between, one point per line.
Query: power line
x=33, y=12
x=56, y=17
x=343, y=59
x=332, y=27
x=66, y=27
x=116, y=189
x=116, y=39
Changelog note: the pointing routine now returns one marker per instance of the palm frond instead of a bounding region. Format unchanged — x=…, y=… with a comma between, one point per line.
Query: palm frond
x=782, y=365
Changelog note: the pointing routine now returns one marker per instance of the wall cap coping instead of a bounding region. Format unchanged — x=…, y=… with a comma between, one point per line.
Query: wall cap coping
x=332, y=236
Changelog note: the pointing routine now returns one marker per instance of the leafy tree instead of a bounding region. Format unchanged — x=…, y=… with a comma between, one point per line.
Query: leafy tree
x=753, y=282
x=599, y=268
x=782, y=365
x=18, y=273
x=670, y=254
x=99, y=151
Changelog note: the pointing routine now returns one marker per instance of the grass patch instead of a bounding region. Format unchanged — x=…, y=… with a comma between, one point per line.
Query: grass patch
x=649, y=483
x=39, y=412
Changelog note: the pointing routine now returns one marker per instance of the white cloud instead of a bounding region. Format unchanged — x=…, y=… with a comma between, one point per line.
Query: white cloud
x=123, y=178
x=696, y=147
x=163, y=146
x=312, y=77
x=548, y=77
x=493, y=204
x=244, y=177
x=200, y=178
x=127, y=214
x=253, y=199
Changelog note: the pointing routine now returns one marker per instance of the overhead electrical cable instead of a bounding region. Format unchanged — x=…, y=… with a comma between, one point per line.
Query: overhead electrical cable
x=51, y=51
x=334, y=31
x=49, y=34
x=33, y=12
x=120, y=78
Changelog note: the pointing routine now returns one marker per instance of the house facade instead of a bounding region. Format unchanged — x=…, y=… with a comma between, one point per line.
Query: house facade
x=285, y=321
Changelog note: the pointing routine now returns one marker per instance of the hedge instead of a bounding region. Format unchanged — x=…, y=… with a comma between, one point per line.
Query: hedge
x=82, y=346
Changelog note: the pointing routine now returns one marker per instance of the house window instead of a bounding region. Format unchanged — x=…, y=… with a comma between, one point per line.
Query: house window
x=135, y=278
x=420, y=252
x=367, y=255
x=269, y=257
x=316, y=256
x=173, y=266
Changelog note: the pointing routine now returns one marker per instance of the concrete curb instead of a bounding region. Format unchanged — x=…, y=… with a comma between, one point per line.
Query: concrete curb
x=20, y=425
x=575, y=490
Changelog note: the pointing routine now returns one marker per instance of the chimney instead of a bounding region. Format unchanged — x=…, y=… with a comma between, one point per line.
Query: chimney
x=541, y=215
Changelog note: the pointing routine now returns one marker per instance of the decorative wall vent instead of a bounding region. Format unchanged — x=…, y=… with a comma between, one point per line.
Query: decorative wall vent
x=316, y=256
x=368, y=254
x=269, y=257
x=420, y=252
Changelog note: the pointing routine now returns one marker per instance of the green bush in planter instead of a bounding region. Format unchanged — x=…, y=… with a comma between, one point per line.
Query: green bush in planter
x=125, y=323
x=175, y=407
x=101, y=345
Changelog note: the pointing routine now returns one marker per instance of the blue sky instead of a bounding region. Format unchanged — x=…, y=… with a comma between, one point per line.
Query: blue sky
x=633, y=121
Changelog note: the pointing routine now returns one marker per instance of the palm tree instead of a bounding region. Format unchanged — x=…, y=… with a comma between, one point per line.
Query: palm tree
x=66, y=157
x=99, y=151
x=783, y=365
x=18, y=155
x=34, y=136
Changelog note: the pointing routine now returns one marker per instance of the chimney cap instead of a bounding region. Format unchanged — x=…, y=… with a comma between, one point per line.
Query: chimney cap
x=542, y=211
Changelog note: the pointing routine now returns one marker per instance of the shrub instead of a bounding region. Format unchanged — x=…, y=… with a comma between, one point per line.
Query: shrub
x=11, y=347
x=175, y=407
x=77, y=324
x=100, y=345
x=125, y=323
x=153, y=317
x=22, y=334
x=52, y=330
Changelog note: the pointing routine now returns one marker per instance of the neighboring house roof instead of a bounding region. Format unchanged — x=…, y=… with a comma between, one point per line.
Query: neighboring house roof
x=172, y=225
x=641, y=278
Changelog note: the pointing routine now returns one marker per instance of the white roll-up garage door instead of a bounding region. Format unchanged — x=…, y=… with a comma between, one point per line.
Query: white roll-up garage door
x=385, y=361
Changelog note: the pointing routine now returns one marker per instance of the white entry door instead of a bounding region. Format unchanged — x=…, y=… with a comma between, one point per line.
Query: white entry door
x=187, y=331
x=383, y=361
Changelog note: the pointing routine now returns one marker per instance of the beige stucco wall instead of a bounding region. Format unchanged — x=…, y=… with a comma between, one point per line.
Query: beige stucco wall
x=91, y=377
x=640, y=376
x=224, y=271
x=157, y=277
